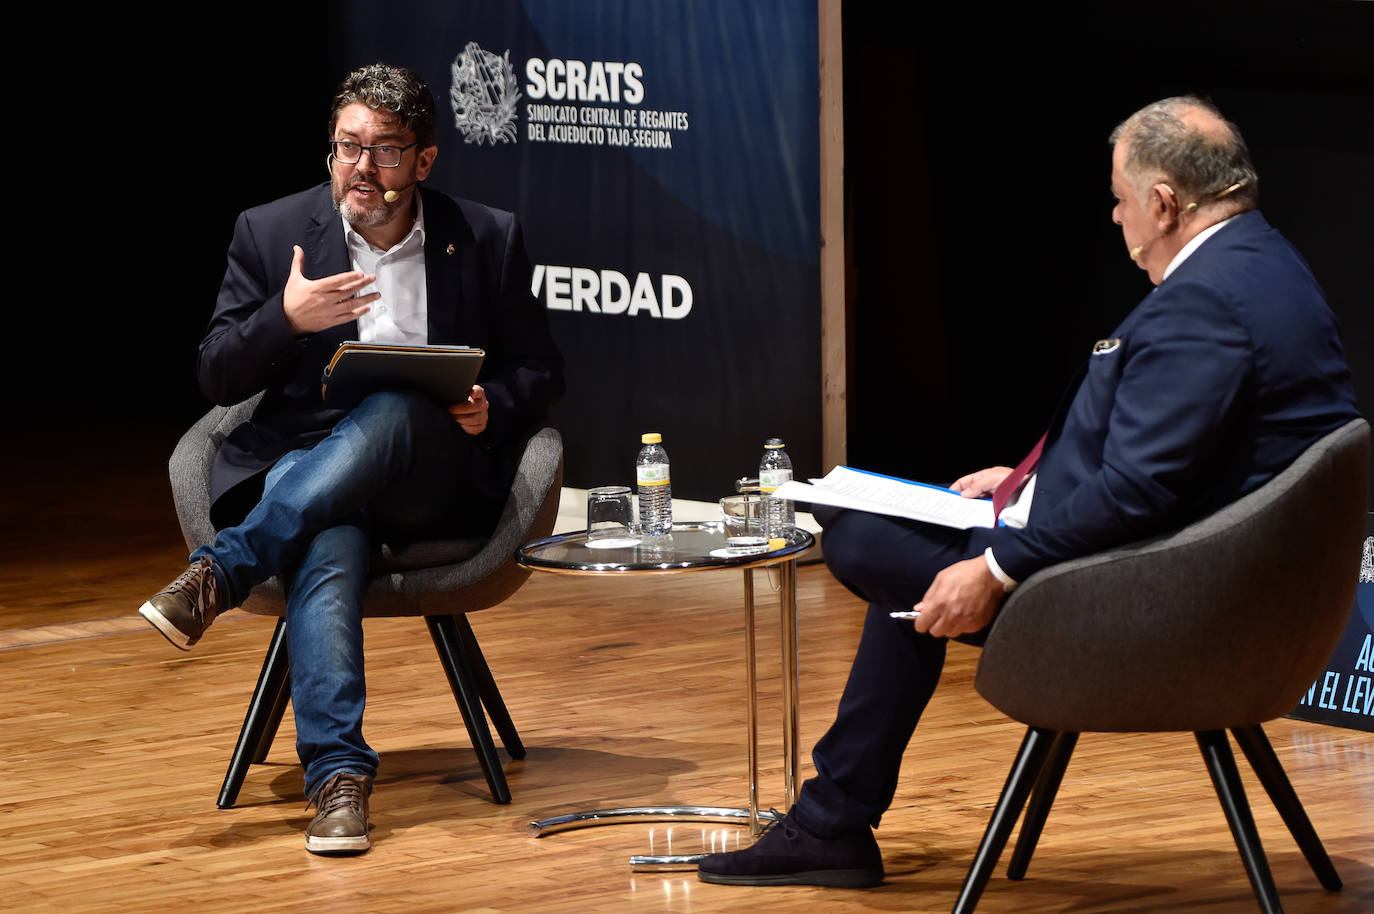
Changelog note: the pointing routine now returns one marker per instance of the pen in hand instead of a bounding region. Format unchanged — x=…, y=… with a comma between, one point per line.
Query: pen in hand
x=908, y=614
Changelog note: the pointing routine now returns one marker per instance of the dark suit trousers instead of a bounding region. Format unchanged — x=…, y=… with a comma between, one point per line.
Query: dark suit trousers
x=889, y=562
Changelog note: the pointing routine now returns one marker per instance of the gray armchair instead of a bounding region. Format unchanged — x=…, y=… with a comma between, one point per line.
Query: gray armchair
x=1221, y=625
x=441, y=580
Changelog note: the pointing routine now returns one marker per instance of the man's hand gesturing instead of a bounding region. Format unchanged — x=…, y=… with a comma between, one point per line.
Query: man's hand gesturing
x=312, y=305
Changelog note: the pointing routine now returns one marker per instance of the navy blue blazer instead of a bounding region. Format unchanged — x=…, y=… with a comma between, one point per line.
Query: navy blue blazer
x=477, y=276
x=1216, y=381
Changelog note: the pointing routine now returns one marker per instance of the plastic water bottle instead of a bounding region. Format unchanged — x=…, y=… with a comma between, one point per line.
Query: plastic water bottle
x=655, y=489
x=775, y=469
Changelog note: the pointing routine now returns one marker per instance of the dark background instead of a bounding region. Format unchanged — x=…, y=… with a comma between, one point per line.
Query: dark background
x=983, y=262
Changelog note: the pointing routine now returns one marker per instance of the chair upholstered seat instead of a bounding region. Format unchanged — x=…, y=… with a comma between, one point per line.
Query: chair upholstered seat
x=1223, y=624
x=442, y=580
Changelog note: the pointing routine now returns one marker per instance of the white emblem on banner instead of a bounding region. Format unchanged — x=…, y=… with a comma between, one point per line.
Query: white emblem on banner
x=483, y=96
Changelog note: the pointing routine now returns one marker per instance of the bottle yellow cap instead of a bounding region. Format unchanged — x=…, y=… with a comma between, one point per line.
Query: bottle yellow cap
x=651, y=438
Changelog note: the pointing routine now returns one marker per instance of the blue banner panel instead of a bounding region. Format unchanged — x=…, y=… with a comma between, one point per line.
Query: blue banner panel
x=664, y=160
x=1344, y=692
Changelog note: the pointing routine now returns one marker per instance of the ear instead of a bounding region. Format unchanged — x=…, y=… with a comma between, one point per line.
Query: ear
x=425, y=161
x=1164, y=206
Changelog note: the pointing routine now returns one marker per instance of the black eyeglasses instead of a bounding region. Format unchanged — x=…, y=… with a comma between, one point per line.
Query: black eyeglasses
x=350, y=153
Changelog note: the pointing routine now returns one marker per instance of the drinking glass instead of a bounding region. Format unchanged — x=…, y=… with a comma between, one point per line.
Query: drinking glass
x=744, y=517
x=609, y=516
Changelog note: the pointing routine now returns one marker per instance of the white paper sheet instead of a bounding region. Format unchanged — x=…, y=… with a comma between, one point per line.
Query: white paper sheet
x=844, y=487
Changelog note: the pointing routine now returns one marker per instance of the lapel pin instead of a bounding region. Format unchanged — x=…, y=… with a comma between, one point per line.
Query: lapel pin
x=449, y=249
x=1102, y=347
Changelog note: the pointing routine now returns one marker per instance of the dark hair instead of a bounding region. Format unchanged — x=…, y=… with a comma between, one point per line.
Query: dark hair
x=1204, y=158
x=383, y=87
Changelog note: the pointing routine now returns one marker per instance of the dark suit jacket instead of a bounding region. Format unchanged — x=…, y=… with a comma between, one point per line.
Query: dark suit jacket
x=1227, y=371
x=477, y=276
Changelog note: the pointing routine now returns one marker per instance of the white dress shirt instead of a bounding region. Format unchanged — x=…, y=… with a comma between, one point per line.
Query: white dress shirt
x=400, y=315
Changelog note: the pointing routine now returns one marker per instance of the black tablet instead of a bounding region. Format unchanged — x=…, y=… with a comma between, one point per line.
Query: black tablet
x=443, y=373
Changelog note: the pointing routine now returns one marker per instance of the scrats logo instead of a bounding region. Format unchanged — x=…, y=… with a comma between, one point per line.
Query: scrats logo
x=611, y=292
x=578, y=81
x=483, y=96
x=484, y=93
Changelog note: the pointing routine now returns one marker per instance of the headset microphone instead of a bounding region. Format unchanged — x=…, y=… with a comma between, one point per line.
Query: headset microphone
x=1136, y=251
x=392, y=196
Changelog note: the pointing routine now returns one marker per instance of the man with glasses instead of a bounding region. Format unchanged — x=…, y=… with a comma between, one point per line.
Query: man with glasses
x=306, y=492
x=1227, y=371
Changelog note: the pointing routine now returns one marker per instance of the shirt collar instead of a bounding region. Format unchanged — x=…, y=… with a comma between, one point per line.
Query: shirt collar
x=1193, y=245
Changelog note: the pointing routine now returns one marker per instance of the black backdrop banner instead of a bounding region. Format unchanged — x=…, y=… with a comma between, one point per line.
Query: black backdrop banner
x=664, y=160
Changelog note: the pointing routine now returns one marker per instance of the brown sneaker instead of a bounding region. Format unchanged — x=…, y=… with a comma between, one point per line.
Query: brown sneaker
x=340, y=825
x=184, y=609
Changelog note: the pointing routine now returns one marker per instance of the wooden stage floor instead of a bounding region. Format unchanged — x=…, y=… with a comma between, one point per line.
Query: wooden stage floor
x=113, y=745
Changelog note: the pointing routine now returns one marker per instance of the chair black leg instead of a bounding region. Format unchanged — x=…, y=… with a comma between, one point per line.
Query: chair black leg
x=486, y=687
x=273, y=723
x=1257, y=749
x=264, y=714
x=1221, y=764
x=454, y=658
x=1029, y=761
x=1042, y=798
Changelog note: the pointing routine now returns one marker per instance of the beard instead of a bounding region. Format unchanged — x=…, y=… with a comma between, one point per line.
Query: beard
x=379, y=214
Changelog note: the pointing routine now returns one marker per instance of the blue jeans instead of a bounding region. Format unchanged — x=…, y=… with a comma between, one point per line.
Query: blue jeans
x=396, y=466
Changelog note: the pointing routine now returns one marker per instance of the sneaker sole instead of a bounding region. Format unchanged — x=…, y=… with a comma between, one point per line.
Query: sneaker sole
x=337, y=846
x=840, y=879
x=169, y=631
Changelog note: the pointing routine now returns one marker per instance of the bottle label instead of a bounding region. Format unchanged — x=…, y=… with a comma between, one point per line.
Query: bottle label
x=771, y=479
x=652, y=474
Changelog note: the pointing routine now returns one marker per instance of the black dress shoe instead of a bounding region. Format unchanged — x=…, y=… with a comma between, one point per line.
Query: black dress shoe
x=787, y=855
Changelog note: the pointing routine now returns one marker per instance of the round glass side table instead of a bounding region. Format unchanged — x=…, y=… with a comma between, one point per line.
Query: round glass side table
x=691, y=547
